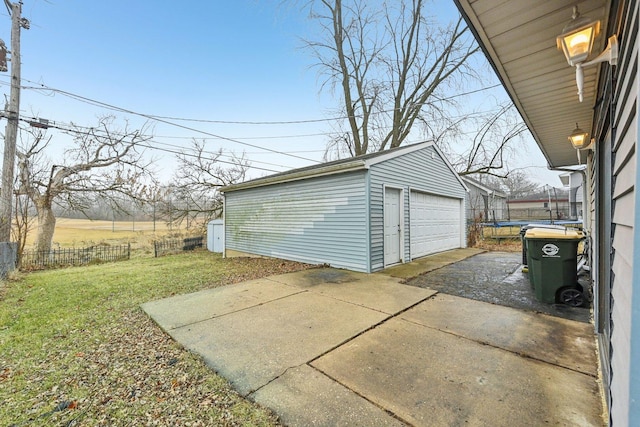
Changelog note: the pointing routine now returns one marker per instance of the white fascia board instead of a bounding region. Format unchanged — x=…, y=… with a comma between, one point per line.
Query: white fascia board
x=297, y=176
x=398, y=152
x=446, y=162
x=415, y=147
x=483, y=188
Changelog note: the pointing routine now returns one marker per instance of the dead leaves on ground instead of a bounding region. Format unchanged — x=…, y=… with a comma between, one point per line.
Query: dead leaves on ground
x=128, y=372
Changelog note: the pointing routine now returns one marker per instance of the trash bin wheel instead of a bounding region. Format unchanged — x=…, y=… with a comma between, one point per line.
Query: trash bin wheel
x=571, y=296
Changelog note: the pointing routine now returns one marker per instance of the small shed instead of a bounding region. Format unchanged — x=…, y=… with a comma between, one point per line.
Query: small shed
x=363, y=213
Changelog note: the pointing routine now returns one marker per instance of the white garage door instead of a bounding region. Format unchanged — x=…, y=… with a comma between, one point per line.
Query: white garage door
x=435, y=224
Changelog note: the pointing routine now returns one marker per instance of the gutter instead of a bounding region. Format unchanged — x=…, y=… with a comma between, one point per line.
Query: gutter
x=297, y=176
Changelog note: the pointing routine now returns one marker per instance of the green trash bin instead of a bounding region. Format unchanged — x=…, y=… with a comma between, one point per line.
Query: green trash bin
x=552, y=257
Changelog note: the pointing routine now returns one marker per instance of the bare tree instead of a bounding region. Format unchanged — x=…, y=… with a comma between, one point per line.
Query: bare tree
x=101, y=163
x=23, y=220
x=518, y=184
x=392, y=66
x=490, y=144
x=193, y=193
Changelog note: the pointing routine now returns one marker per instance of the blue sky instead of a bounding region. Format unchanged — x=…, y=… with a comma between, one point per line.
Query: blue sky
x=218, y=60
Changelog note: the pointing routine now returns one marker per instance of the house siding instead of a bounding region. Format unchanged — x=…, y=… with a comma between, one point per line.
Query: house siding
x=427, y=171
x=634, y=377
x=623, y=194
x=320, y=220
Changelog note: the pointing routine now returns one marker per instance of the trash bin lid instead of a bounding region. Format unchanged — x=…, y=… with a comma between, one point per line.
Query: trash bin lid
x=524, y=228
x=552, y=226
x=551, y=233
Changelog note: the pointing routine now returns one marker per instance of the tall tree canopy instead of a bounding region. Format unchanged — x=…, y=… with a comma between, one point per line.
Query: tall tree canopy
x=392, y=65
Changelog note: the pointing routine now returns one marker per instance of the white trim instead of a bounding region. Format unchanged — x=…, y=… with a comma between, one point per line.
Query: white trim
x=341, y=167
x=393, y=153
x=297, y=175
x=488, y=190
x=410, y=149
x=402, y=223
x=435, y=193
x=461, y=200
x=463, y=224
x=224, y=226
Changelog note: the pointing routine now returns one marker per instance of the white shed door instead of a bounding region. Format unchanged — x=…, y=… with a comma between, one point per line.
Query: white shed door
x=435, y=224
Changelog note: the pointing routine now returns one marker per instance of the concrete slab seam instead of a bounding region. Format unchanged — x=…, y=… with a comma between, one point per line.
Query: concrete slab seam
x=382, y=408
x=375, y=325
x=488, y=344
x=390, y=316
x=250, y=392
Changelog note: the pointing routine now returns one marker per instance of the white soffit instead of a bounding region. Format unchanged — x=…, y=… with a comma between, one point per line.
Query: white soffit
x=519, y=36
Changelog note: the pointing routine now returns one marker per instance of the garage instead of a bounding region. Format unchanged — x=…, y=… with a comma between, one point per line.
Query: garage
x=363, y=213
x=436, y=223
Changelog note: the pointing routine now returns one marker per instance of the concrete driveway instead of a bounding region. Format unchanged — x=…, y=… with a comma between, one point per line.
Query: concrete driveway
x=328, y=347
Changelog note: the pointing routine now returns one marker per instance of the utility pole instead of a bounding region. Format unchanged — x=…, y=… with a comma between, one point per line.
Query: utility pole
x=11, y=132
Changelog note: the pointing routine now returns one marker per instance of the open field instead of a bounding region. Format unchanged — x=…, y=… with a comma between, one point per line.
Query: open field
x=84, y=232
x=76, y=349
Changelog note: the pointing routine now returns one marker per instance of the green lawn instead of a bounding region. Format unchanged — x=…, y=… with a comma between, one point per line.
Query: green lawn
x=76, y=349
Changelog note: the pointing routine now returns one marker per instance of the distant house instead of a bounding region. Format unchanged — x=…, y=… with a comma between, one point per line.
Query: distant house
x=484, y=202
x=363, y=213
x=551, y=204
x=574, y=181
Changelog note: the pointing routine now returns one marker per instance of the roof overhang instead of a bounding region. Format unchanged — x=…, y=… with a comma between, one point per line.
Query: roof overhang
x=298, y=175
x=519, y=39
x=342, y=166
x=479, y=186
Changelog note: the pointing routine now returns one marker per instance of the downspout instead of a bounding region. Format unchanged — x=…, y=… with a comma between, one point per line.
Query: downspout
x=224, y=225
x=586, y=213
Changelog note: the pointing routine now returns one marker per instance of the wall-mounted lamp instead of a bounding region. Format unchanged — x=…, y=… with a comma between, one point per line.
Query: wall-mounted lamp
x=576, y=41
x=579, y=139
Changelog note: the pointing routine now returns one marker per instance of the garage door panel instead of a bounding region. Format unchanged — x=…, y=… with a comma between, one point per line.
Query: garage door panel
x=435, y=223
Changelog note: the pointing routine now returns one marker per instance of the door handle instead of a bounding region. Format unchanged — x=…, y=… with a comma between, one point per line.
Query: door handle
x=398, y=228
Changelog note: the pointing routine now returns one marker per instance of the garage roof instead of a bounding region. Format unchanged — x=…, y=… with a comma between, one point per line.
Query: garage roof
x=339, y=166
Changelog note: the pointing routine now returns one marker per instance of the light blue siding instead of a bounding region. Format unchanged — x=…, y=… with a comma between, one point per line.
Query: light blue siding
x=318, y=220
x=422, y=170
x=624, y=196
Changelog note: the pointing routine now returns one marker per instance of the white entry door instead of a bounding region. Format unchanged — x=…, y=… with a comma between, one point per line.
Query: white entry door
x=392, y=226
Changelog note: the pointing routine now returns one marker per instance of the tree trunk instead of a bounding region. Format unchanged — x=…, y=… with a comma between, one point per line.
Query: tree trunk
x=46, y=227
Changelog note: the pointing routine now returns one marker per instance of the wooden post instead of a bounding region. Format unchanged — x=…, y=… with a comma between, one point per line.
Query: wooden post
x=11, y=132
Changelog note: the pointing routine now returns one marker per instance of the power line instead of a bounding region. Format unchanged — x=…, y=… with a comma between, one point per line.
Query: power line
x=73, y=128
x=150, y=117
x=234, y=122
x=164, y=119
x=146, y=144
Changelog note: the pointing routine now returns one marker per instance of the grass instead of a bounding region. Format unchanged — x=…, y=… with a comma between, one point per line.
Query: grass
x=79, y=233
x=76, y=349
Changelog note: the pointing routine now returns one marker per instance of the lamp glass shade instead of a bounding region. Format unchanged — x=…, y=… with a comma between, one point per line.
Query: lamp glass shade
x=579, y=139
x=577, y=41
